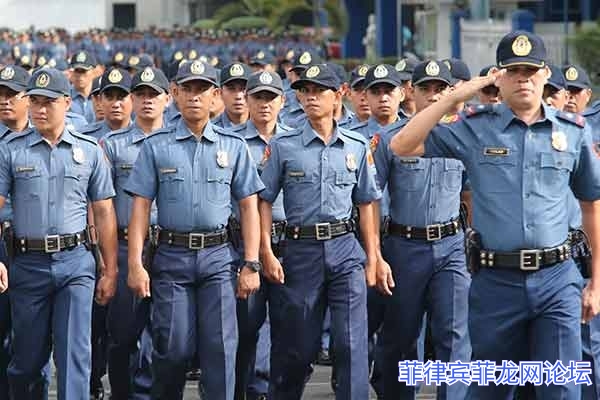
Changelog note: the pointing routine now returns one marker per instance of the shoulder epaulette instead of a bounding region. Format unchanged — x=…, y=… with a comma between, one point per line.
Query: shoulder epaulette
x=575, y=119
x=473, y=110
x=85, y=137
x=118, y=132
x=353, y=135
x=93, y=127
x=160, y=132
x=592, y=110
x=358, y=125
x=17, y=135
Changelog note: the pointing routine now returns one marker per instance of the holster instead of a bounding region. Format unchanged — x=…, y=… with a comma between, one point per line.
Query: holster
x=8, y=236
x=581, y=251
x=152, y=246
x=385, y=227
x=472, y=249
x=92, y=245
x=234, y=229
x=463, y=216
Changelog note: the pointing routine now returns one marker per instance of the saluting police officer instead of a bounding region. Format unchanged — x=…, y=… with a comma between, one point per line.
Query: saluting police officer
x=264, y=94
x=149, y=95
x=193, y=170
x=425, y=250
x=521, y=156
x=52, y=174
x=323, y=170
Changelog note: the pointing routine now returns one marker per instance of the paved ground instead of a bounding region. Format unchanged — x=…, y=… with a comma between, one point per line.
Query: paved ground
x=317, y=389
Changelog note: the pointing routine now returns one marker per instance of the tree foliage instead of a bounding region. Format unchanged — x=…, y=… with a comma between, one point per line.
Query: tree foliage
x=587, y=48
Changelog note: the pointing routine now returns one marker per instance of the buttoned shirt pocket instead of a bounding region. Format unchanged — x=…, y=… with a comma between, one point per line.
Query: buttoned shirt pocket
x=555, y=170
x=410, y=173
x=122, y=174
x=172, y=183
x=76, y=182
x=219, y=186
x=345, y=181
x=300, y=189
x=28, y=182
x=453, y=172
x=497, y=170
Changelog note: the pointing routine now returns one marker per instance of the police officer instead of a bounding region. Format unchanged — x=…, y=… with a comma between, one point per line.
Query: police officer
x=95, y=96
x=489, y=94
x=264, y=94
x=358, y=96
x=520, y=156
x=292, y=108
x=425, y=250
x=405, y=67
x=555, y=90
x=115, y=100
x=322, y=170
x=51, y=173
x=579, y=87
x=149, y=92
x=14, y=108
x=83, y=65
x=262, y=61
x=233, y=93
x=194, y=169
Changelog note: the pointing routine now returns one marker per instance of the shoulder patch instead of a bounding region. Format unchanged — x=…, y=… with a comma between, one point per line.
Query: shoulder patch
x=449, y=118
x=85, y=137
x=374, y=142
x=575, y=119
x=473, y=110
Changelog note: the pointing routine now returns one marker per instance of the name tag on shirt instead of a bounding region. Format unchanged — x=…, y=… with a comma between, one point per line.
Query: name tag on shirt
x=25, y=169
x=409, y=160
x=296, y=174
x=168, y=170
x=496, y=151
x=126, y=166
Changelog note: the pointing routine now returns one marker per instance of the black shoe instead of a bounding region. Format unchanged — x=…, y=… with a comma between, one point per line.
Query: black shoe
x=323, y=358
x=97, y=393
x=193, y=375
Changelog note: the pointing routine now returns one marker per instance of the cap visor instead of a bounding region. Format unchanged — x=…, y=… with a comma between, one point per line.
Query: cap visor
x=259, y=62
x=115, y=85
x=13, y=86
x=196, y=78
x=150, y=85
x=234, y=78
x=555, y=85
x=302, y=82
x=357, y=81
x=577, y=85
x=86, y=67
x=432, y=78
x=265, y=89
x=44, y=92
x=383, y=80
x=529, y=62
x=299, y=68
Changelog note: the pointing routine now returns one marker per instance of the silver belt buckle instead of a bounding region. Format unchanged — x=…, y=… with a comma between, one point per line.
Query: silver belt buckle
x=529, y=260
x=319, y=228
x=436, y=234
x=196, y=241
x=52, y=243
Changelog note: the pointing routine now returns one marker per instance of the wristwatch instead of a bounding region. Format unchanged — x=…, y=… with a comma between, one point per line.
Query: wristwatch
x=255, y=266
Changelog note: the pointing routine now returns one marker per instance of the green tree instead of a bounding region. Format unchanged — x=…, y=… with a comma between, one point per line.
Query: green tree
x=587, y=48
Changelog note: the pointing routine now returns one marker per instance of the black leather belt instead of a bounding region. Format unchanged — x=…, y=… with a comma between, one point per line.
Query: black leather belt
x=277, y=228
x=321, y=231
x=429, y=233
x=525, y=260
x=51, y=243
x=192, y=240
x=122, y=233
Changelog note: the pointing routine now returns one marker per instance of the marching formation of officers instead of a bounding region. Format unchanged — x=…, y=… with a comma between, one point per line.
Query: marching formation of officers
x=210, y=219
